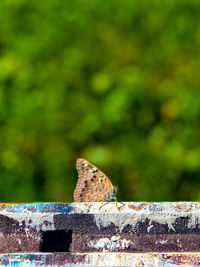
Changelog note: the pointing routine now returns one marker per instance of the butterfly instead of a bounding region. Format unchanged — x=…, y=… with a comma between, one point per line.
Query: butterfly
x=93, y=184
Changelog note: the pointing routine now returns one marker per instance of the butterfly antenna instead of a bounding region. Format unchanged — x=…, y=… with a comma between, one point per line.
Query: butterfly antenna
x=116, y=203
x=102, y=202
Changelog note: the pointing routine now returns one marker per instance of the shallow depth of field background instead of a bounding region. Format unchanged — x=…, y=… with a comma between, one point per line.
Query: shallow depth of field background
x=115, y=82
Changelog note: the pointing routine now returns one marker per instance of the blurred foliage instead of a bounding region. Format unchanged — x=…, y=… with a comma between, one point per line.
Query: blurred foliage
x=116, y=82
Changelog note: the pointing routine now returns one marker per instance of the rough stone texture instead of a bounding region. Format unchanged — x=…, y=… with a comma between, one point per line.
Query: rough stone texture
x=137, y=227
x=20, y=242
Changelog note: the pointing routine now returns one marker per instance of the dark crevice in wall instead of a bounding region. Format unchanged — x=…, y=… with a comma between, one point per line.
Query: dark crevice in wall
x=56, y=241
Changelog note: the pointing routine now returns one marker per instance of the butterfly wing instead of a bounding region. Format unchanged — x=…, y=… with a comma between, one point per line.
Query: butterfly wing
x=92, y=185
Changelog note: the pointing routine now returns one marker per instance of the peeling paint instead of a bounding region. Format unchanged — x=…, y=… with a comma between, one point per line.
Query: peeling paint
x=38, y=221
x=39, y=216
x=132, y=213
x=37, y=207
x=161, y=226
x=102, y=259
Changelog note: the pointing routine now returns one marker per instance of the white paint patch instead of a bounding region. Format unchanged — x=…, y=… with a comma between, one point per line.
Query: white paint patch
x=149, y=228
x=162, y=242
x=1, y=234
x=85, y=164
x=111, y=244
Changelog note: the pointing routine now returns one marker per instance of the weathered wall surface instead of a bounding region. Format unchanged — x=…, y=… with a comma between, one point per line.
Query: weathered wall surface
x=137, y=227
x=140, y=232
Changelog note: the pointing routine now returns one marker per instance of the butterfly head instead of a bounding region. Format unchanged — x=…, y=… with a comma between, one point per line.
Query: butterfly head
x=111, y=195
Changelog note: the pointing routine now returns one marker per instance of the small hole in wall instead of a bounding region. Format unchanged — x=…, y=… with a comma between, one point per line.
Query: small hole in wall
x=56, y=241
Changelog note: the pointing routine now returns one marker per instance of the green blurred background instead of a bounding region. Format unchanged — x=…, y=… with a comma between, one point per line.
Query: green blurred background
x=115, y=82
